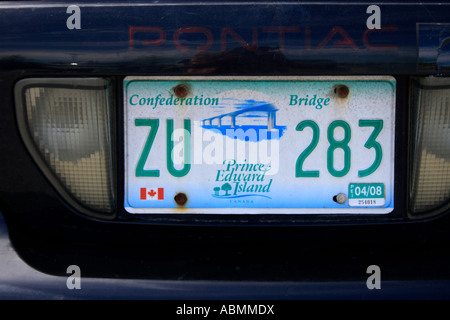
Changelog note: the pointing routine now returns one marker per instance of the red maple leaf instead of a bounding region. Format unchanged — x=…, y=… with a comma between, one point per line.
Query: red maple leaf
x=152, y=193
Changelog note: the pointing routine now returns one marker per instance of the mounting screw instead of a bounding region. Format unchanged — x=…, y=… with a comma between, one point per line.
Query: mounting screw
x=341, y=91
x=340, y=198
x=181, y=90
x=180, y=199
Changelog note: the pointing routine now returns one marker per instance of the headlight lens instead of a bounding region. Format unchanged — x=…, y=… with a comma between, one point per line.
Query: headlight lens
x=67, y=125
x=430, y=187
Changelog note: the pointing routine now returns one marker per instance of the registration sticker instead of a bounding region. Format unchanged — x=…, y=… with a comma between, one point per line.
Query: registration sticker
x=366, y=195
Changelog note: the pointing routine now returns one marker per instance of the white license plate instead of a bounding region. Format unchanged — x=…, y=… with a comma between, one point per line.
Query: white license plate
x=259, y=145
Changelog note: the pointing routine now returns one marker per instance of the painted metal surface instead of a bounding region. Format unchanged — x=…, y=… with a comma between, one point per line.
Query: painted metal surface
x=208, y=38
x=257, y=259
x=19, y=281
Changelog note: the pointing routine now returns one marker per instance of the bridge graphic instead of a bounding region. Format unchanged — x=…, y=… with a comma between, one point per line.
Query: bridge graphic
x=266, y=108
x=250, y=119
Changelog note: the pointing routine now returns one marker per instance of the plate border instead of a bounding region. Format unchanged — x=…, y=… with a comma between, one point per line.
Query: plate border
x=260, y=211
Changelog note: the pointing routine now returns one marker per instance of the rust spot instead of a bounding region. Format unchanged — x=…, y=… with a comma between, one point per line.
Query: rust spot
x=341, y=91
x=180, y=199
x=181, y=90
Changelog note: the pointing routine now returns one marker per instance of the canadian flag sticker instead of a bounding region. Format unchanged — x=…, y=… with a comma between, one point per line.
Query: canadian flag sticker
x=152, y=193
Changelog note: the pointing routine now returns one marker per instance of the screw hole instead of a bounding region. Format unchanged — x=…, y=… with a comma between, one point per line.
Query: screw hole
x=181, y=90
x=341, y=91
x=180, y=199
x=340, y=198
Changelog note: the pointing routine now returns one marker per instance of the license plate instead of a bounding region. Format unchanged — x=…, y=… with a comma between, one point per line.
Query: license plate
x=259, y=145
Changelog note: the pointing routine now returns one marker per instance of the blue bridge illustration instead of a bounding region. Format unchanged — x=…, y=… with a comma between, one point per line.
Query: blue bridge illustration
x=254, y=126
x=268, y=108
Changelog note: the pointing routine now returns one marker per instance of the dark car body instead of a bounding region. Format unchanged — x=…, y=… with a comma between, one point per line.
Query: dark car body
x=194, y=256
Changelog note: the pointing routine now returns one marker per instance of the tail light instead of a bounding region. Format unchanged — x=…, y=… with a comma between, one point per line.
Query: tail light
x=430, y=170
x=67, y=126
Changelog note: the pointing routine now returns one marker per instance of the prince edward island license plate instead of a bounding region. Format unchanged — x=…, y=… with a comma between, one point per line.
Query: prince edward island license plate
x=259, y=145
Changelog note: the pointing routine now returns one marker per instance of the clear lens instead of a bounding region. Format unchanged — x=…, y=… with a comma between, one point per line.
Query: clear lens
x=69, y=122
x=430, y=188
